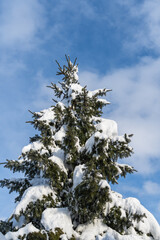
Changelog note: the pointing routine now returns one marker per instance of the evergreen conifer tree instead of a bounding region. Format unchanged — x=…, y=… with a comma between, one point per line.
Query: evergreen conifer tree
x=68, y=168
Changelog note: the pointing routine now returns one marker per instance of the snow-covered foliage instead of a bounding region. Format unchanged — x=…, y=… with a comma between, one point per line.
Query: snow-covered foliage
x=65, y=193
x=131, y=206
x=78, y=175
x=53, y=218
x=32, y=194
x=21, y=232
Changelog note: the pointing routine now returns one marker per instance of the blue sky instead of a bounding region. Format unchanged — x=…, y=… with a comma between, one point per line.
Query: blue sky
x=117, y=44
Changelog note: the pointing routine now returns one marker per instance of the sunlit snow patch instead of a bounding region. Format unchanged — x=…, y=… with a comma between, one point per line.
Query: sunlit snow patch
x=47, y=115
x=25, y=230
x=58, y=218
x=108, y=127
x=148, y=225
x=2, y=237
x=31, y=195
x=35, y=146
x=78, y=175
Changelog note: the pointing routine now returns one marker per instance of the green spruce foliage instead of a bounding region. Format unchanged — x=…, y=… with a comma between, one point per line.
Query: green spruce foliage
x=45, y=235
x=120, y=223
x=5, y=226
x=33, y=211
x=71, y=126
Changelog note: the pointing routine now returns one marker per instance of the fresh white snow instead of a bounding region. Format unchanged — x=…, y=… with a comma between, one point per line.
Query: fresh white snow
x=60, y=134
x=89, y=231
x=75, y=88
x=99, y=231
x=132, y=205
x=59, y=162
x=47, y=115
x=2, y=237
x=104, y=184
x=103, y=101
x=58, y=218
x=31, y=195
x=25, y=230
x=108, y=127
x=78, y=175
x=34, y=146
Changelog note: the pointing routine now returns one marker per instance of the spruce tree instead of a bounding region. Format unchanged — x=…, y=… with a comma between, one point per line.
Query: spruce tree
x=69, y=166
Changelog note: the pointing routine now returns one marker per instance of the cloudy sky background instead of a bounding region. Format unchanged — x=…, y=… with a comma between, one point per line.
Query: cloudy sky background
x=117, y=44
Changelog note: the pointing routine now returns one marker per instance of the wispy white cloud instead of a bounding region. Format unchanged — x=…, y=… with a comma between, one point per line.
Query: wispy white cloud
x=136, y=104
x=151, y=26
x=143, y=24
x=43, y=95
x=20, y=22
x=151, y=188
x=138, y=22
x=10, y=66
x=147, y=188
x=76, y=9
